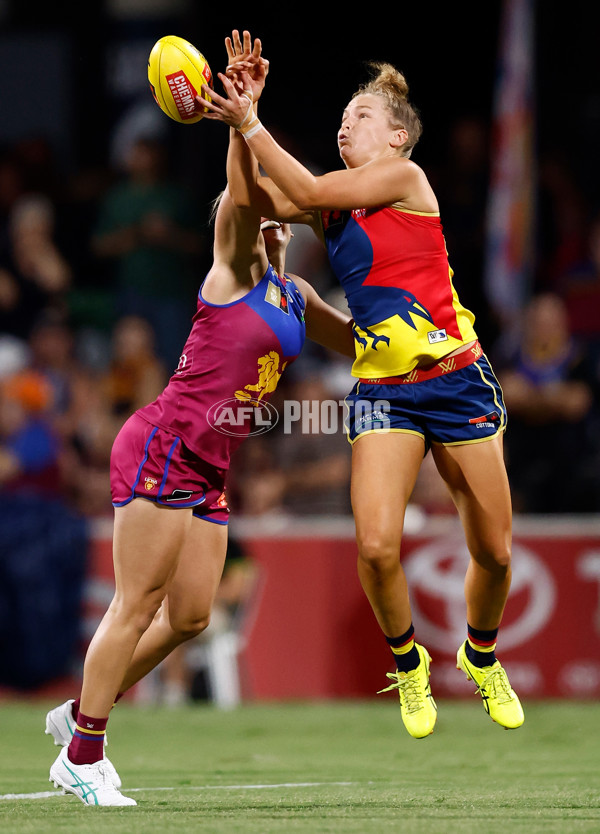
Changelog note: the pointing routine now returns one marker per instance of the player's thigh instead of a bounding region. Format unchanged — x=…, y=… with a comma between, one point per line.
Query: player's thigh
x=476, y=477
x=147, y=543
x=385, y=466
x=193, y=588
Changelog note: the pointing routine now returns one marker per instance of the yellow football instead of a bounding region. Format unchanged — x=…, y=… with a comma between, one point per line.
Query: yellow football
x=176, y=72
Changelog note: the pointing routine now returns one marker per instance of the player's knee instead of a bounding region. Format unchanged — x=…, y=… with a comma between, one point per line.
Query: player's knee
x=138, y=611
x=497, y=560
x=189, y=627
x=378, y=552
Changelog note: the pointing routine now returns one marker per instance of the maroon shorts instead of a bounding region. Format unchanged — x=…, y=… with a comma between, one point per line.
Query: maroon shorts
x=148, y=462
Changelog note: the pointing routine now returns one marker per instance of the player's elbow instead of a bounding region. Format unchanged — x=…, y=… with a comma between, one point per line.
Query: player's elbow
x=308, y=199
x=306, y=205
x=310, y=195
x=240, y=197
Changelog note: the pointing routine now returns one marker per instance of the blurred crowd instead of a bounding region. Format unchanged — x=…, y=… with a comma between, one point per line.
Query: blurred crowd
x=98, y=282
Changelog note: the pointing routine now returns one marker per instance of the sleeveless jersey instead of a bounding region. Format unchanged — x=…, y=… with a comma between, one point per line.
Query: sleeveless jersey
x=393, y=266
x=230, y=365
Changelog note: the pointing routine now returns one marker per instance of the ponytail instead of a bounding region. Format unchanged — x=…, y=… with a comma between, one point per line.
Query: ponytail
x=390, y=84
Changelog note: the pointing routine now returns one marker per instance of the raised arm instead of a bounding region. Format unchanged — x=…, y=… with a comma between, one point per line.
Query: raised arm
x=383, y=181
x=250, y=189
x=247, y=187
x=240, y=257
x=242, y=166
x=236, y=224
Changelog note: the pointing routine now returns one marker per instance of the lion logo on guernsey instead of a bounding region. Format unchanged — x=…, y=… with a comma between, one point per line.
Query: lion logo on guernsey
x=269, y=375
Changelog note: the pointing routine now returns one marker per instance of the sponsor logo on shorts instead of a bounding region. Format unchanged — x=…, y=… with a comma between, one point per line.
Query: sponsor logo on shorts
x=488, y=421
x=376, y=416
x=179, y=495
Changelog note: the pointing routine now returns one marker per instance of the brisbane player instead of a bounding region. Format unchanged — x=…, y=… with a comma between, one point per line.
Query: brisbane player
x=168, y=473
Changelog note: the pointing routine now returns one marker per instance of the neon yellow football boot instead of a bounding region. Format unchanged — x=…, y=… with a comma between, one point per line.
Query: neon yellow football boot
x=499, y=699
x=417, y=706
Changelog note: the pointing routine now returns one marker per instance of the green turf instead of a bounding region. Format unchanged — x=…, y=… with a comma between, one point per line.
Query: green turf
x=333, y=767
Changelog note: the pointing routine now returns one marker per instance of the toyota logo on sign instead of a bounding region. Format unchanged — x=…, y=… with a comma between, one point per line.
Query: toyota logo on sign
x=436, y=577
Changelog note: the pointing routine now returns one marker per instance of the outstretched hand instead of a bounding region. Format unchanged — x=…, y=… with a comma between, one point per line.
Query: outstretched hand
x=243, y=82
x=247, y=57
x=235, y=110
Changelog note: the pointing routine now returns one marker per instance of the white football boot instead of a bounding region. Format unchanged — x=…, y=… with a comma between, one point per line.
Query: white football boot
x=60, y=724
x=91, y=783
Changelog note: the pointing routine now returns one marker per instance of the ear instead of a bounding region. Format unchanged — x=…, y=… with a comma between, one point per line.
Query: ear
x=399, y=138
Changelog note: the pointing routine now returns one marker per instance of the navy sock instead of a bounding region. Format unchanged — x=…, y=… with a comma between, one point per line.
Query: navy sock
x=481, y=646
x=405, y=651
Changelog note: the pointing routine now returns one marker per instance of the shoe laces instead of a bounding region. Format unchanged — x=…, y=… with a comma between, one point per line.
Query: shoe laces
x=498, y=686
x=103, y=773
x=409, y=690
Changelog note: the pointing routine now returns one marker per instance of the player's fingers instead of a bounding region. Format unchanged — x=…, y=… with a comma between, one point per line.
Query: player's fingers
x=237, y=42
x=236, y=65
x=201, y=104
x=227, y=84
x=229, y=48
x=218, y=101
x=257, y=48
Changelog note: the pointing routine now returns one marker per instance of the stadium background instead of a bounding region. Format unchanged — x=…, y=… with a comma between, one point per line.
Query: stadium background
x=73, y=99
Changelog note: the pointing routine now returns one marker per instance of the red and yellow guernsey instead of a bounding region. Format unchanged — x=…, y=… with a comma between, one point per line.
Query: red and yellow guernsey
x=393, y=266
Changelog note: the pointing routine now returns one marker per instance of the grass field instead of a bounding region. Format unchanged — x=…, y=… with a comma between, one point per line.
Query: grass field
x=316, y=767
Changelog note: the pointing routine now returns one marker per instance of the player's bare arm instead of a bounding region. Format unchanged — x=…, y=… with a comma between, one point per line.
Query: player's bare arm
x=380, y=181
x=324, y=324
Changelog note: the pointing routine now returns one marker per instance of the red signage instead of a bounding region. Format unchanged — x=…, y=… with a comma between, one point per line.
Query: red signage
x=310, y=633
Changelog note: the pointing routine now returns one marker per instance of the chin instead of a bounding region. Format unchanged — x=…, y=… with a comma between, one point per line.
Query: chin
x=351, y=156
x=344, y=155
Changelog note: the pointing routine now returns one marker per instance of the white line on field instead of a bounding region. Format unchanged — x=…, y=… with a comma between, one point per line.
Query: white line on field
x=50, y=794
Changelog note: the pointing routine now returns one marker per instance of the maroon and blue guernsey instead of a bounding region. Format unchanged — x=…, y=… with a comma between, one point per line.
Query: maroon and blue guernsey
x=230, y=365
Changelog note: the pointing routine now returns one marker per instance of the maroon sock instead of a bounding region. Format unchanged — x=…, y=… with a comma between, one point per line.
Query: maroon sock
x=87, y=744
x=75, y=705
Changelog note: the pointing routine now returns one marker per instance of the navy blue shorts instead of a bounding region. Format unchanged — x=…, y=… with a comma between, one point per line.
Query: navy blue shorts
x=465, y=406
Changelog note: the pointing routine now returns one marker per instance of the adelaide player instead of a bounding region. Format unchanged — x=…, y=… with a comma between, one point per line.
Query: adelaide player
x=416, y=350
x=168, y=470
